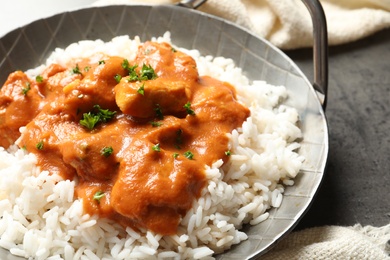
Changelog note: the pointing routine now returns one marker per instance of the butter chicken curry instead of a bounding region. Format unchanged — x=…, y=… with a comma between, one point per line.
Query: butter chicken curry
x=135, y=134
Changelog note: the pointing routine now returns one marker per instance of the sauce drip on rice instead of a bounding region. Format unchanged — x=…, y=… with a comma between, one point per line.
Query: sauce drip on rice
x=137, y=134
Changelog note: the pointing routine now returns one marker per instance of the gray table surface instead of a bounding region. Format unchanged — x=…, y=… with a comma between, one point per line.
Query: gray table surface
x=356, y=185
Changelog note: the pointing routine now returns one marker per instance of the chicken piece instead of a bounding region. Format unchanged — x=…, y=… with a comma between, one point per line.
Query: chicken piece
x=167, y=61
x=149, y=99
x=19, y=103
x=93, y=155
x=96, y=88
x=171, y=88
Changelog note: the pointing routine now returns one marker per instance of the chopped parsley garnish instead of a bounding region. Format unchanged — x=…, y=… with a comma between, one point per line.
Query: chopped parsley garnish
x=155, y=123
x=228, y=153
x=98, y=196
x=125, y=64
x=87, y=68
x=156, y=148
x=133, y=76
x=187, y=107
x=147, y=73
x=141, y=90
x=40, y=145
x=173, y=49
x=26, y=89
x=158, y=111
x=104, y=114
x=91, y=119
x=131, y=69
x=107, y=151
x=189, y=155
x=175, y=155
x=101, y=62
x=39, y=79
x=117, y=78
x=178, y=139
x=76, y=70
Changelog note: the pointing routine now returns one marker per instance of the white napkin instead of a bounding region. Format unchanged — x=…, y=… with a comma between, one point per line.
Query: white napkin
x=287, y=23
x=334, y=242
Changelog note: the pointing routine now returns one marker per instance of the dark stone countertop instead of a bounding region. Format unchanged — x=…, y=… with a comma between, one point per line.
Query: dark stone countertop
x=356, y=185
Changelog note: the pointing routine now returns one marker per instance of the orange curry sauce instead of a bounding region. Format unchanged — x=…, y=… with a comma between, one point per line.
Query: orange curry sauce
x=146, y=161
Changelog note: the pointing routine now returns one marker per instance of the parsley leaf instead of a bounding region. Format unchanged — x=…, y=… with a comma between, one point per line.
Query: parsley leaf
x=39, y=79
x=125, y=64
x=147, y=73
x=158, y=111
x=156, y=148
x=91, y=119
x=26, y=89
x=133, y=76
x=104, y=114
x=179, y=139
x=117, y=78
x=155, y=123
x=40, y=145
x=107, y=151
x=131, y=69
x=76, y=70
x=141, y=90
x=98, y=195
x=188, y=108
x=189, y=155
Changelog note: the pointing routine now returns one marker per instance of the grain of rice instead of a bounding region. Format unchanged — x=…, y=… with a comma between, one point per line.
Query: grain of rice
x=64, y=220
x=168, y=255
x=152, y=241
x=18, y=252
x=68, y=252
x=124, y=253
x=91, y=255
x=116, y=249
x=191, y=224
x=87, y=224
x=88, y=239
x=259, y=219
x=147, y=250
x=41, y=252
x=193, y=241
x=7, y=244
x=202, y=252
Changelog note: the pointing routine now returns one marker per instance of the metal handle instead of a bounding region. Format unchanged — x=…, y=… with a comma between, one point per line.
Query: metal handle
x=320, y=44
x=320, y=49
x=194, y=4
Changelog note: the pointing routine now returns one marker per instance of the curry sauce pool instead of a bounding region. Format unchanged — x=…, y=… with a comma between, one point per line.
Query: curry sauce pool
x=127, y=147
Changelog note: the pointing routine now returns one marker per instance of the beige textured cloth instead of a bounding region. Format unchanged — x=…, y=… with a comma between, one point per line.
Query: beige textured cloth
x=334, y=242
x=287, y=23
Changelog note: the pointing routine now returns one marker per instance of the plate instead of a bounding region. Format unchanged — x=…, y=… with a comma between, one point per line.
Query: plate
x=29, y=46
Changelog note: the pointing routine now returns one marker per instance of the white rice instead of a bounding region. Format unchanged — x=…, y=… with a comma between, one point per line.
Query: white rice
x=40, y=218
